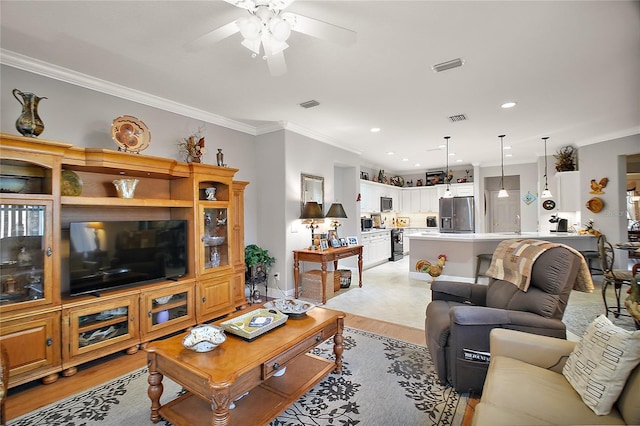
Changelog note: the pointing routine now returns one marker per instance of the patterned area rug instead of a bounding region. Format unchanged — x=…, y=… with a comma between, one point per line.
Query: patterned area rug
x=384, y=382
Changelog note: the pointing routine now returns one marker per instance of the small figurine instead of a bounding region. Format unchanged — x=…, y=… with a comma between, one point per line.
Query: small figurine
x=24, y=257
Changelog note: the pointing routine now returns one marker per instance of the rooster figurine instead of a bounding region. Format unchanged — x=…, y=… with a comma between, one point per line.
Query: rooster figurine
x=596, y=187
x=433, y=269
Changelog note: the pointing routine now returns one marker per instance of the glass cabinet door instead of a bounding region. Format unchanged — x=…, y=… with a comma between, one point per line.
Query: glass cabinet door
x=25, y=251
x=215, y=238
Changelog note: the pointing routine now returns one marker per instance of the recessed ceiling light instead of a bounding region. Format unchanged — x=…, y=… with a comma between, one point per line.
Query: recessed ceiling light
x=508, y=155
x=459, y=160
x=417, y=165
x=509, y=105
x=441, y=146
x=452, y=154
x=507, y=147
x=405, y=159
x=375, y=129
x=390, y=153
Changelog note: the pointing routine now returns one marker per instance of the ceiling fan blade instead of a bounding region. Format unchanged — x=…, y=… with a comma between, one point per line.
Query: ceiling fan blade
x=320, y=29
x=252, y=4
x=213, y=36
x=244, y=4
x=277, y=64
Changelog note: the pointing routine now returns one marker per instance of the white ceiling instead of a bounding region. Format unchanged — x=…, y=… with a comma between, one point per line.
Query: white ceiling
x=572, y=66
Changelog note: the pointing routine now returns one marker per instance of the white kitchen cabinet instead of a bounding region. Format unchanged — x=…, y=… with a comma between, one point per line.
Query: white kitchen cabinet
x=429, y=200
x=462, y=189
x=568, y=187
x=415, y=200
x=406, y=201
x=376, y=247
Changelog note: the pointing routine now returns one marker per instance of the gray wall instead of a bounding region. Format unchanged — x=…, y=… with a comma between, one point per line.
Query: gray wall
x=83, y=117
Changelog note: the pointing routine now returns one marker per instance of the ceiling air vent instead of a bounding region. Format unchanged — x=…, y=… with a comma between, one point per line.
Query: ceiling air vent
x=455, y=63
x=459, y=117
x=310, y=104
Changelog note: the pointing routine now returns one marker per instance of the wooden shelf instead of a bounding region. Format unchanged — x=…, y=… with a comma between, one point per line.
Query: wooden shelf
x=113, y=202
x=262, y=404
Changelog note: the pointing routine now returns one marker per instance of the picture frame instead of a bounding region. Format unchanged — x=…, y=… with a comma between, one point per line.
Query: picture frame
x=332, y=234
x=352, y=241
x=343, y=242
x=324, y=244
x=335, y=243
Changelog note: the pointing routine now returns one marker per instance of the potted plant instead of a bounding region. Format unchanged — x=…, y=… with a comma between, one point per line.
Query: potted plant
x=258, y=260
x=565, y=159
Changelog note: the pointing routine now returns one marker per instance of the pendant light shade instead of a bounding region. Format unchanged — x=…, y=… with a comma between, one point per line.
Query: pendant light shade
x=503, y=192
x=545, y=192
x=447, y=192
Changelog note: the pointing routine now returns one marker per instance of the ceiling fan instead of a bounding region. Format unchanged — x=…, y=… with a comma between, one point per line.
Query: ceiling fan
x=267, y=28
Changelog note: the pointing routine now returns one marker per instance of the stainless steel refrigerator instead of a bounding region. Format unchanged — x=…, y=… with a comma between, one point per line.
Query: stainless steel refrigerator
x=457, y=215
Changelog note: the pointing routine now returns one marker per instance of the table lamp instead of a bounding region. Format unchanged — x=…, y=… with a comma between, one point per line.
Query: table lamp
x=311, y=211
x=336, y=211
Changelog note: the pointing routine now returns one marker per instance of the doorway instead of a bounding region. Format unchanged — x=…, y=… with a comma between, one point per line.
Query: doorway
x=505, y=212
x=502, y=214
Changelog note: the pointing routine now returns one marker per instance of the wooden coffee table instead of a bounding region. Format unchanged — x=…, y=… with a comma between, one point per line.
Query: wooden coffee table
x=214, y=380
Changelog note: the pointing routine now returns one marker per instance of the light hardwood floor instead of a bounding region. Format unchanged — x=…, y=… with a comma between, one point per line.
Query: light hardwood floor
x=34, y=395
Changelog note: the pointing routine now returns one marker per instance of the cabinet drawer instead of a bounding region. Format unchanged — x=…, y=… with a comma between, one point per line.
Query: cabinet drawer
x=276, y=363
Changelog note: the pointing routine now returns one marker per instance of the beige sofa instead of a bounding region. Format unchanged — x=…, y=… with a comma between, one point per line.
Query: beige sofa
x=525, y=386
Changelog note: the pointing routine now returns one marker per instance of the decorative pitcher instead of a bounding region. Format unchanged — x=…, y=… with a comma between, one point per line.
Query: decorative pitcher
x=29, y=123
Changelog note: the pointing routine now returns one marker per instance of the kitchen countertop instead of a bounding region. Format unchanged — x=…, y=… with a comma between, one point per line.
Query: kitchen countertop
x=497, y=236
x=462, y=249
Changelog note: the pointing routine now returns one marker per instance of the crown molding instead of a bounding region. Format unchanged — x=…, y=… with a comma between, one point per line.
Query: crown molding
x=66, y=75
x=36, y=66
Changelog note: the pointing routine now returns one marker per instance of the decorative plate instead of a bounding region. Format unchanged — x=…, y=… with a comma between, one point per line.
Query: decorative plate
x=549, y=205
x=254, y=323
x=291, y=307
x=70, y=183
x=130, y=134
x=595, y=204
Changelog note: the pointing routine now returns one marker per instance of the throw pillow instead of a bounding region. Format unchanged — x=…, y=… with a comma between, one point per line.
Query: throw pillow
x=601, y=362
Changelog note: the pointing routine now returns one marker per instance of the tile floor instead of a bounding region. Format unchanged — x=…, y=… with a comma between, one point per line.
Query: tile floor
x=388, y=294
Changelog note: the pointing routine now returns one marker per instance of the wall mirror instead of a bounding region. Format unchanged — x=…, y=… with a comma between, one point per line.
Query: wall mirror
x=312, y=189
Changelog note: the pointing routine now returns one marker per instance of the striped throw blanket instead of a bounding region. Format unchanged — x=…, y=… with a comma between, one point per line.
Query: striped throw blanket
x=513, y=259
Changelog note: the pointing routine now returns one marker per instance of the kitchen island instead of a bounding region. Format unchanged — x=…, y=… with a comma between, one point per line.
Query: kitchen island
x=461, y=249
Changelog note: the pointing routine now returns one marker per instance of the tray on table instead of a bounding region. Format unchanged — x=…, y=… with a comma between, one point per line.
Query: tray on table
x=254, y=323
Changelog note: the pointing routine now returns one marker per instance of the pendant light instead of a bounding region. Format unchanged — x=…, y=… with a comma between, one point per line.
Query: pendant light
x=503, y=192
x=545, y=193
x=447, y=192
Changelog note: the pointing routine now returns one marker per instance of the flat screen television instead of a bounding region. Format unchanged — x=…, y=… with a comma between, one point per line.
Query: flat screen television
x=108, y=255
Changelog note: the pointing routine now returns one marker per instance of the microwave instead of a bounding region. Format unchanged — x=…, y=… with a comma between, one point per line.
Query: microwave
x=386, y=204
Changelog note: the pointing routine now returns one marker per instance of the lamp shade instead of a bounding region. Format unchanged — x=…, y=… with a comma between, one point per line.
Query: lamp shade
x=336, y=211
x=311, y=210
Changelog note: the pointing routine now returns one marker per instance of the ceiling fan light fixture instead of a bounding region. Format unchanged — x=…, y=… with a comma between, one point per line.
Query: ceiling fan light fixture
x=250, y=27
x=252, y=45
x=273, y=47
x=280, y=29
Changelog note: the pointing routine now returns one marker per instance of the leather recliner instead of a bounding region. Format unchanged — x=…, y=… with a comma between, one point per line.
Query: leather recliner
x=461, y=315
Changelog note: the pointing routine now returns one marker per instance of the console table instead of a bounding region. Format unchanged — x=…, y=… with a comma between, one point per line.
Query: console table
x=323, y=257
x=244, y=373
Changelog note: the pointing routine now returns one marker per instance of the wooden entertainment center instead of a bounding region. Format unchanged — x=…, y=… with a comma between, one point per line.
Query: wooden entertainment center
x=44, y=330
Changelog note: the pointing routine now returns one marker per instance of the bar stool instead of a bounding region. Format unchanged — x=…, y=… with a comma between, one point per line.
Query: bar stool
x=479, y=259
x=590, y=256
x=612, y=277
